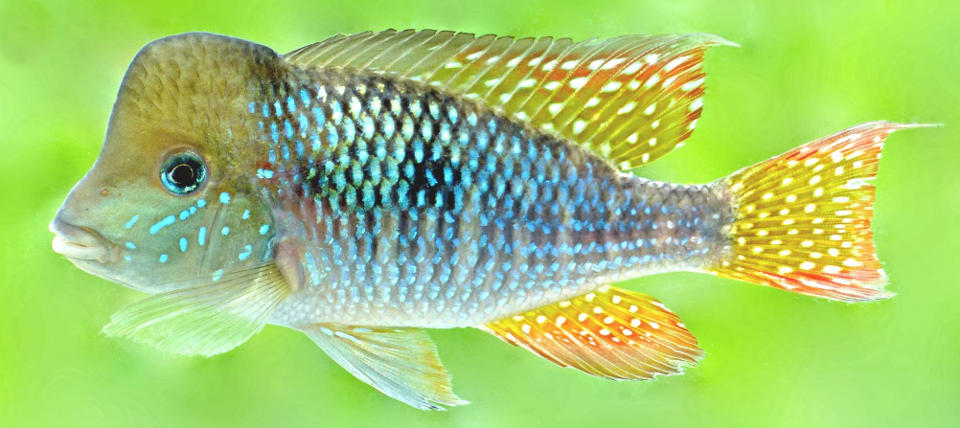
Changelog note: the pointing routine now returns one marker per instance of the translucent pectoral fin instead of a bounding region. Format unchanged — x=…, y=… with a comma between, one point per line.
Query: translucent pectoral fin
x=399, y=362
x=205, y=319
x=611, y=333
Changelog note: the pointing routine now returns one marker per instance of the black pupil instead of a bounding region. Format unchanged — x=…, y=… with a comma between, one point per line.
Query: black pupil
x=183, y=175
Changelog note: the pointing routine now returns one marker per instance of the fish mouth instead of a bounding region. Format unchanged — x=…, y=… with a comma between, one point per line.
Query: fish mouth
x=80, y=243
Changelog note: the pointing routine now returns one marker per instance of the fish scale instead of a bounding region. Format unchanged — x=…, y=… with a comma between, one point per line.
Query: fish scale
x=445, y=213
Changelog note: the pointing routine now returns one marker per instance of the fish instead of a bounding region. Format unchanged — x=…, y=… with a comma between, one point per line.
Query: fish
x=370, y=186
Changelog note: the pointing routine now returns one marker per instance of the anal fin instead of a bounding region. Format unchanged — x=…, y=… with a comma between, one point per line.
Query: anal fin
x=400, y=362
x=612, y=333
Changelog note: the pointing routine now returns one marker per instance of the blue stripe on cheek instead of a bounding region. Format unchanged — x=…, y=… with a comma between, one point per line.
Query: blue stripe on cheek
x=131, y=222
x=183, y=245
x=264, y=229
x=163, y=258
x=202, y=236
x=168, y=220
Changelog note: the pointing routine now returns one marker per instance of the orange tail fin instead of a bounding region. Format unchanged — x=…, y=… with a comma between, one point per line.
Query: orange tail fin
x=803, y=218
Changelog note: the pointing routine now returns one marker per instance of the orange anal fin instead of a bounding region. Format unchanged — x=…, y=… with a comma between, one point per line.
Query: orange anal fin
x=612, y=333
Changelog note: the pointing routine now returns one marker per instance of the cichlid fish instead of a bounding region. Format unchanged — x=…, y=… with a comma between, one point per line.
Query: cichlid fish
x=367, y=186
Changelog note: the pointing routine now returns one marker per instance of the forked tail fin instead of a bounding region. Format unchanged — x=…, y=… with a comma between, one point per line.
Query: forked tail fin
x=803, y=218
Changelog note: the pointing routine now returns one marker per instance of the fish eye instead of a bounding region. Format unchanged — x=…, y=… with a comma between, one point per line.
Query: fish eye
x=183, y=173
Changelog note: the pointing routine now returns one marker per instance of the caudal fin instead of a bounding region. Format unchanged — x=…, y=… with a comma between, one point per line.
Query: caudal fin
x=803, y=218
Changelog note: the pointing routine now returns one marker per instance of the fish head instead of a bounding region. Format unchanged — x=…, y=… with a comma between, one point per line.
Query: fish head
x=170, y=200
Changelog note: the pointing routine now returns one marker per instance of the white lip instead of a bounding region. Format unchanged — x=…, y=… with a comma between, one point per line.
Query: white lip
x=79, y=243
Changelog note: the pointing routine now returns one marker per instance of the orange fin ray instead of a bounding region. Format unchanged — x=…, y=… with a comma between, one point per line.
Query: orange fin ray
x=612, y=333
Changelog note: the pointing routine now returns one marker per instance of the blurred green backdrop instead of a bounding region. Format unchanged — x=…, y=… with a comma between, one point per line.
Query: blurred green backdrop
x=773, y=359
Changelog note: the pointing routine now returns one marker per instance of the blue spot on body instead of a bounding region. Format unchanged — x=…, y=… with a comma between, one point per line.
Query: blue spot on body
x=202, y=236
x=163, y=258
x=184, y=214
x=246, y=214
x=166, y=221
x=305, y=97
x=183, y=245
x=131, y=246
x=274, y=133
x=201, y=203
x=318, y=116
x=131, y=222
x=225, y=231
x=225, y=198
x=217, y=275
x=264, y=229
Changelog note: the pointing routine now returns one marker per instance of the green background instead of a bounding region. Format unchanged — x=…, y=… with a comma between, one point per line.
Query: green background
x=773, y=359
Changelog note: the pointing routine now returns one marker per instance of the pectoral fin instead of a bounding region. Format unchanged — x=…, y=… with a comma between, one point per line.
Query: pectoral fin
x=400, y=362
x=612, y=333
x=205, y=319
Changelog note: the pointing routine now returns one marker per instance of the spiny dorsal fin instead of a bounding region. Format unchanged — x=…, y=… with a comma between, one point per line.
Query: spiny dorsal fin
x=630, y=99
x=400, y=362
x=611, y=333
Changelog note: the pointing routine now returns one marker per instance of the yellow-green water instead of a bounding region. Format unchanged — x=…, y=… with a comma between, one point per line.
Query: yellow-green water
x=773, y=359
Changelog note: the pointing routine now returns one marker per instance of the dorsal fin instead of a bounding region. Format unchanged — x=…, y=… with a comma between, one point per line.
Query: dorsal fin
x=630, y=99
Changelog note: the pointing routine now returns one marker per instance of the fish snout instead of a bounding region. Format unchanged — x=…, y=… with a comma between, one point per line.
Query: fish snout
x=81, y=243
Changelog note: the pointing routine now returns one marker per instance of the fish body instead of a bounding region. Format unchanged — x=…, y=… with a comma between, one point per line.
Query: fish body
x=365, y=186
x=419, y=209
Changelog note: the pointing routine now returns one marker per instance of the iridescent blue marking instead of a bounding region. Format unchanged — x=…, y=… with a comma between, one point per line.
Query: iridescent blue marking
x=225, y=231
x=130, y=245
x=183, y=245
x=202, y=236
x=287, y=129
x=163, y=258
x=252, y=107
x=303, y=123
x=247, y=250
x=274, y=133
x=305, y=97
x=264, y=173
x=201, y=203
x=225, y=198
x=264, y=229
x=184, y=214
x=217, y=275
x=291, y=105
x=246, y=214
x=133, y=220
x=166, y=221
